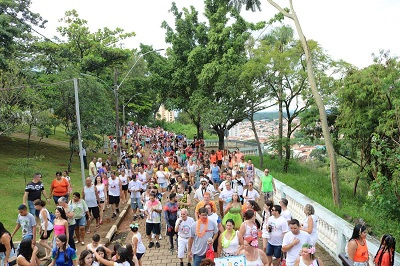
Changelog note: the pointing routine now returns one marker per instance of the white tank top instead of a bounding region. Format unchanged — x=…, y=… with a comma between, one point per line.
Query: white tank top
x=100, y=191
x=257, y=262
x=49, y=224
x=113, y=187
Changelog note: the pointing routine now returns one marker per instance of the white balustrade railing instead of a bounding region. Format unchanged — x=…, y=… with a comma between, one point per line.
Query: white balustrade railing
x=333, y=231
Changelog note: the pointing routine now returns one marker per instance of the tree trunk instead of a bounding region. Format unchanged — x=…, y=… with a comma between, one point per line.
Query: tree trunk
x=29, y=140
x=260, y=153
x=318, y=100
x=221, y=138
x=280, y=118
x=322, y=114
x=287, y=147
x=200, y=131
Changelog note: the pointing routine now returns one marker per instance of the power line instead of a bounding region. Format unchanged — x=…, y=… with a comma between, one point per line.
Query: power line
x=30, y=26
x=33, y=86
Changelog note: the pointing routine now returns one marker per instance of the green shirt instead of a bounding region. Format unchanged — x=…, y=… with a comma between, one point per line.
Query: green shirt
x=267, y=183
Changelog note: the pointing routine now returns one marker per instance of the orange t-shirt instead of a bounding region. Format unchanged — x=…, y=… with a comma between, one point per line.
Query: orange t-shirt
x=213, y=158
x=361, y=254
x=385, y=259
x=219, y=155
x=59, y=188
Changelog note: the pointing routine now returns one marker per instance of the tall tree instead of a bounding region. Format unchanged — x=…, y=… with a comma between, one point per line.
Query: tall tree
x=291, y=14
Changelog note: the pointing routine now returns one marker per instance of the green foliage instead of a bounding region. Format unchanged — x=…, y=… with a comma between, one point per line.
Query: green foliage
x=306, y=177
x=188, y=129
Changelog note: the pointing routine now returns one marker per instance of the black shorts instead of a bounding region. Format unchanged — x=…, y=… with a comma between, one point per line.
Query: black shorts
x=150, y=226
x=124, y=187
x=172, y=232
x=139, y=255
x=95, y=211
x=47, y=236
x=113, y=199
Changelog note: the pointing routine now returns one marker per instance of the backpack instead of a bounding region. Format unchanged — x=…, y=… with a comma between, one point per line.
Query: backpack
x=51, y=217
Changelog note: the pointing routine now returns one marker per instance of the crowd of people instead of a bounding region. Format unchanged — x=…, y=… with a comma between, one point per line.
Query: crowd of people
x=204, y=201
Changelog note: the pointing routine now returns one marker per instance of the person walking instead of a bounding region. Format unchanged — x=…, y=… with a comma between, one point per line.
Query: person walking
x=46, y=227
x=33, y=191
x=59, y=187
x=307, y=257
x=228, y=241
x=63, y=202
x=27, y=254
x=102, y=193
x=153, y=209
x=6, y=246
x=81, y=211
x=62, y=255
x=60, y=224
x=170, y=216
x=310, y=223
x=267, y=185
x=91, y=197
x=134, y=187
x=114, y=193
x=277, y=226
x=293, y=242
x=182, y=227
x=26, y=221
x=203, y=233
x=137, y=244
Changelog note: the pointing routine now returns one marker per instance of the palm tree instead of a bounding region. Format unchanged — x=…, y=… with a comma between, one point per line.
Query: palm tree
x=291, y=14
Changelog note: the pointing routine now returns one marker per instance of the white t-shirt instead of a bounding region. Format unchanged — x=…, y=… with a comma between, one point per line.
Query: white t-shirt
x=293, y=253
x=279, y=228
x=237, y=187
x=184, y=227
x=251, y=194
x=161, y=178
x=226, y=194
x=134, y=187
x=286, y=213
x=199, y=194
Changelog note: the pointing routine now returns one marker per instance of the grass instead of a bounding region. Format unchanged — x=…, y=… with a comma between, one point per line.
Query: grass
x=16, y=171
x=312, y=179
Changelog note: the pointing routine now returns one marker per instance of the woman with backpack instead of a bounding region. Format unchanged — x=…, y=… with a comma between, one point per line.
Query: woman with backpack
x=46, y=226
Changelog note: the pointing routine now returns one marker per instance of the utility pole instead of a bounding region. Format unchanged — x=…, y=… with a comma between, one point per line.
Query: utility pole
x=117, y=117
x=78, y=123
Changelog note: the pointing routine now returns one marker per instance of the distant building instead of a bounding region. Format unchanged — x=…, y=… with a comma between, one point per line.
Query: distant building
x=235, y=131
x=164, y=114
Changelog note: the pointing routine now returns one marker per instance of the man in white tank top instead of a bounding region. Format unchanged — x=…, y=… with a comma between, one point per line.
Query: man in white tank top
x=91, y=197
x=114, y=193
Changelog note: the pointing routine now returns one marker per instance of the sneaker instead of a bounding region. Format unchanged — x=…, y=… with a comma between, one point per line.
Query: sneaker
x=135, y=218
x=114, y=215
x=142, y=216
x=158, y=245
x=151, y=244
x=160, y=237
x=117, y=210
x=181, y=264
x=189, y=264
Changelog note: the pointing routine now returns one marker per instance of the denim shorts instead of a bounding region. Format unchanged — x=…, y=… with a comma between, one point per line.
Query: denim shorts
x=136, y=203
x=80, y=222
x=275, y=251
x=163, y=185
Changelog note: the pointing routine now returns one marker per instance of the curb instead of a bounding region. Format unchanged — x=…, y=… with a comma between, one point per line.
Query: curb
x=107, y=239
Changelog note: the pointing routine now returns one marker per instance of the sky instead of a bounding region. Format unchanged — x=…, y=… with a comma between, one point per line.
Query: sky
x=347, y=29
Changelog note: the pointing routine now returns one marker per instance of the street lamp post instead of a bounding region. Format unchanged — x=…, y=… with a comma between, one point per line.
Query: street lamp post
x=116, y=100
x=116, y=89
x=123, y=108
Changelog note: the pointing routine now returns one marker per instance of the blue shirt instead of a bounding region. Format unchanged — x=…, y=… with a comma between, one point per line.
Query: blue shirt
x=60, y=261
